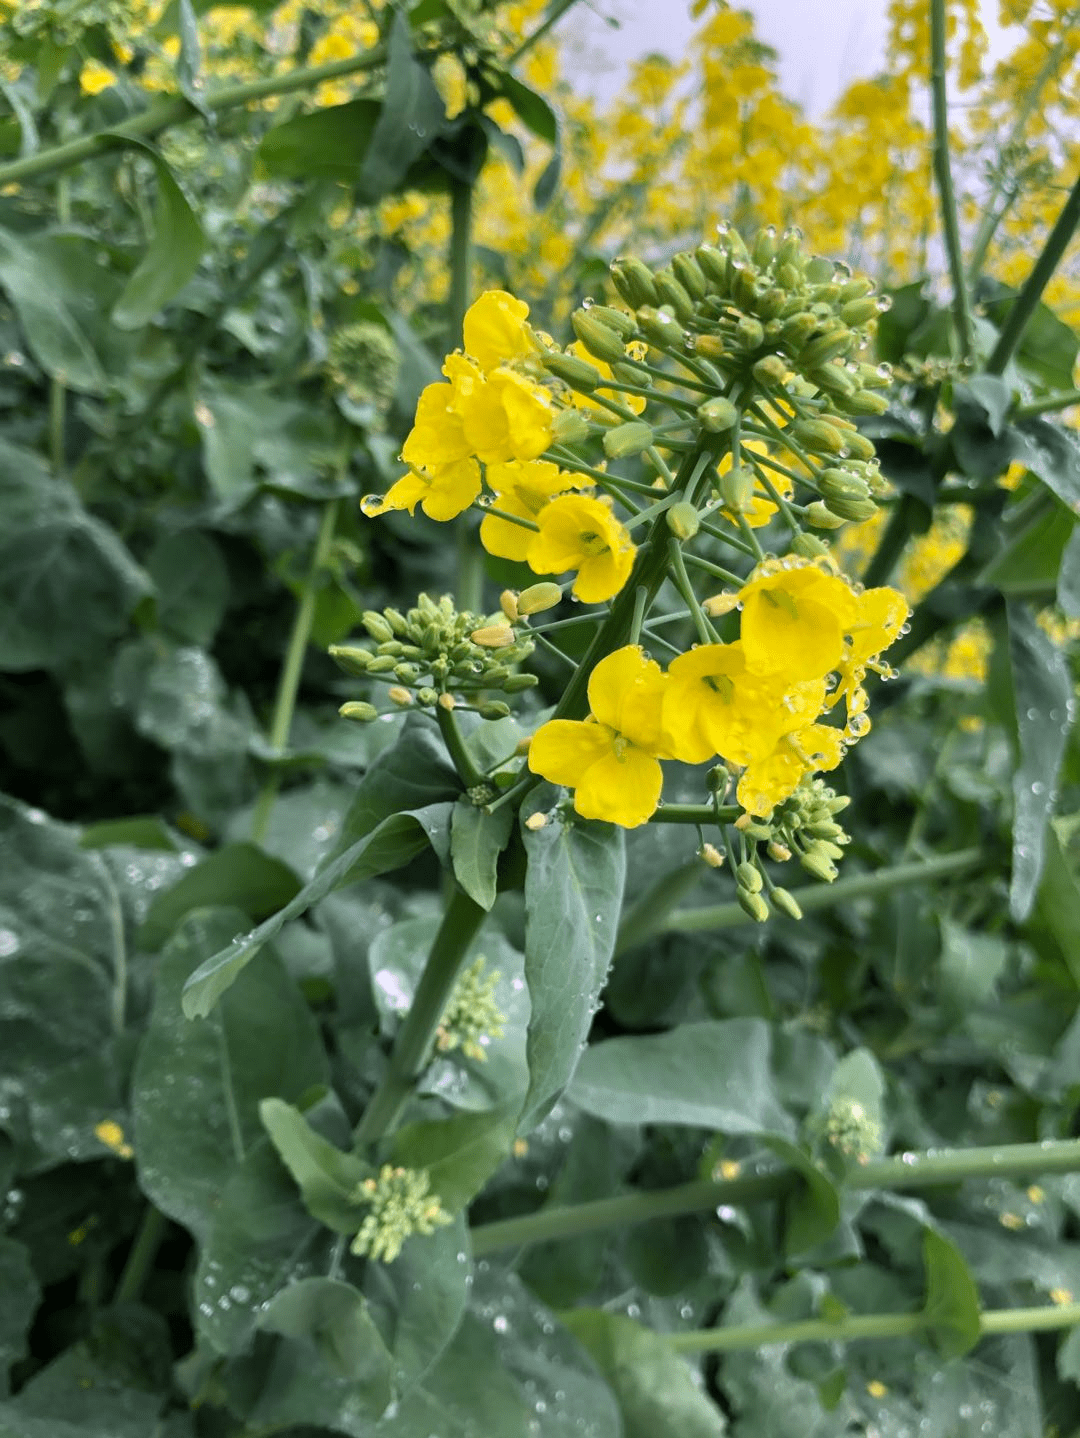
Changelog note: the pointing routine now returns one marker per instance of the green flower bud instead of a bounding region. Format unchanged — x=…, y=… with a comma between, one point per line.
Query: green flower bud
x=407, y=673
x=382, y=664
x=826, y=347
x=623, y=324
x=427, y=696
x=361, y=712
x=377, y=625
x=790, y=250
x=788, y=274
x=818, y=435
x=494, y=709
x=539, y=597
x=672, y=293
x=808, y=546
x=855, y=289
x=769, y=371
x=598, y=338
x=819, y=271
x=744, y=288
x=737, y=488
x=570, y=426
x=711, y=347
x=786, y=903
x=683, y=520
x=518, y=683
x=858, y=446
x=853, y=509
x=351, y=657
x=749, y=877
x=825, y=829
x=865, y=402
x=393, y=647
x=857, y=313
x=822, y=518
x=763, y=250
x=819, y=865
x=626, y=372
x=717, y=415
x=752, y=904
x=798, y=328
x=833, y=379
x=690, y=275
x=842, y=484
x=577, y=373
x=717, y=780
x=634, y=281
x=627, y=439
x=750, y=333
x=397, y=621
x=714, y=265
x=661, y=328
x=770, y=305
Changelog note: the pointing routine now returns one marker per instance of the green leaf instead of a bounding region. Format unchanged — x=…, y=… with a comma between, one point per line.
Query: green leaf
x=192, y=585
x=812, y=1209
x=714, y=1075
x=657, y=1391
x=530, y=107
x=393, y=843
x=411, y=116
x=172, y=256
x=1057, y=907
x=414, y=774
x=418, y=1300
x=330, y=143
x=1044, y=712
x=326, y=1177
x=548, y=182
x=952, y=1300
x=1048, y=346
x=477, y=838
x=141, y=831
x=971, y=965
x=197, y=1086
x=20, y=1294
x=1068, y=1357
x=573, y=896
x=1028, y=566
x=237, y=874
x=333, y=1318
x=1051, y=453
x=1068, y=588
x=38, y=286
x=460, y=1153
x=57, y=562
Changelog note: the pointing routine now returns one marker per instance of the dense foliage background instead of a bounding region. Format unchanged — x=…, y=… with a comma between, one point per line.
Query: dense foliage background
x=235, y=242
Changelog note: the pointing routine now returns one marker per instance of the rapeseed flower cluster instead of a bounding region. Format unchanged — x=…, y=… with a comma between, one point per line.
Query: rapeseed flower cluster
x=731, y=383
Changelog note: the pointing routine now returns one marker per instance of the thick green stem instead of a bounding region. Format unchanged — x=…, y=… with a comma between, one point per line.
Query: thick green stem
x=695, y=814
x=175, y=110
x=943, y=175
x=144, y=1247
x=57, y=388
x=459, y=926
x=1024, y=307
x=468, y=773
x=898, y=531
x=900, y=1172
x=470, y=558
x=1049, y=403
x=827, y=896
x=646, y=917
x=289, y=683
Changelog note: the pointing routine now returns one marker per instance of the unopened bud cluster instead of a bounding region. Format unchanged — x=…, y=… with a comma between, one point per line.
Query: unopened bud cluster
x=471, y=1017
x=363, y=362
x=435, y=652
x=803, y=826
x=401, y=1203
x=851, y=1130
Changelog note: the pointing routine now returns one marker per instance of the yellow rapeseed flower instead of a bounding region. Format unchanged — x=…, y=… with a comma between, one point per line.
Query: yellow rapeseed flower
x=522, y=489
x=794, y=619
x=442, y=492
x=504, y=415
x=495, y=330
x=578, y=532
x=95, y=77
x=437, y=436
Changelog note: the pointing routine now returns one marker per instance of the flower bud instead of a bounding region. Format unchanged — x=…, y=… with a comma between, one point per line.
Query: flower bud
x=361, y=712
x=712, y=855
x=381, y=664
x=351, y=657
x=798, y=328
x=717, y=415
x=786, y=903
x=661, y=328
x=672, y=293
x=493, y=636
x=753, y=905
x=407, y=673
x=377, y=625
x=770, y=371
x=763, y=250
x=577, y=373
x=858, y=446
x=508, y=603
x=710, y=347
x=397, y=621
x=748, y=877
x=518, y=683
x=717, y=780
x=690, y=275
x=826, y=347
x=570, y=427
x=737, y=488
x=858, y=312
x=818, y=435
x=683, y=520
x=623, y=324
x=855, y=289
x=808, y=546
x=714, y=265
x=427, y=696
x=822, y=518
x=833, y=380
x=400, y=696
x=625, y=372
x=393, y=647
x=720, y=604
x=853, y=509
x=819, y=865
x=598, y=338
x=539, y=597
x=627, y=439
x=750, y=333
x=634, y=281
x=536, y=821
x=447, y=701
x=779, y=853
x=865, y=402
x=819, y=270
x=744, y=289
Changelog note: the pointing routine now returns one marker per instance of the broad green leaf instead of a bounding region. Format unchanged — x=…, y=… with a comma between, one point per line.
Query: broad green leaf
x=1057, y=906
x=141, y=831
x=326, y=1177
x=573, y=895
x=172, y=256
x=460, y=1153
x=1068, y=1357
x=393, y=843
x=33, y=274
x=1051, y=453
x=330, y=143
x=238, y=874
x=192, y=585
x=83, y=1388
x=530, y=107
x=20, y=1294
x=411, y=116
x=1029, y=564
x=1068, y=588
x=713, y=1075
x=477, y=838
x=952, y=1300
x=418, y=1301
x=812, y=1209
x=412, y=775
x=332, y=1318
x=656, y=1390
x=1044, y=712
x=197, y=1086
x=253, y=437
x=971, y=965
x=57, y=565
x=1048, y=346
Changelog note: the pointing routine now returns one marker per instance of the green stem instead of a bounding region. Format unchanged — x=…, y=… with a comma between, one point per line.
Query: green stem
x=289, y=683
x=695, y=814
x=646, y=917
x=827, y=896
x=540, y=31
x=943, y=174
x=57, y=388
x=1042, y=272
x=1049, y=402
x=704, y=629
x=144, y=1247
x=641, y=603
x=897, y=1173
x=470, y=558
x=175, y=110
x=469, y=774
x=897, y=533
x=459, y=927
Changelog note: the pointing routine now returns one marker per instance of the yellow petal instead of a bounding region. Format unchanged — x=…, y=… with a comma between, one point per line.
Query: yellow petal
x=622, y=789
x=563, y=750
x=495, y=330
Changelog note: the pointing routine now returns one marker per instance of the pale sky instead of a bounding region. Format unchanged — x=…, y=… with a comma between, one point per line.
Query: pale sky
x=823, y=44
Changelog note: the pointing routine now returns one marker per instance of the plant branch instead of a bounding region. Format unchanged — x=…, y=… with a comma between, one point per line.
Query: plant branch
x=943, y=175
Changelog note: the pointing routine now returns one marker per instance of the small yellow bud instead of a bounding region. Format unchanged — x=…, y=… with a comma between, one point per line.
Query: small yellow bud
x=876, y=1388
x=822, y=518
x=787, y=903
x=520, y=1148
x=627, y=439
x=778, y=852
x=508, y=603
x=493, y=636
x=720, y=604
x=358, y=710
x=539, y=597
x=737, y=487
x=399, y=695
x=447, y=701
x=536, y=821
x=717, y=414
x=712, y=855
